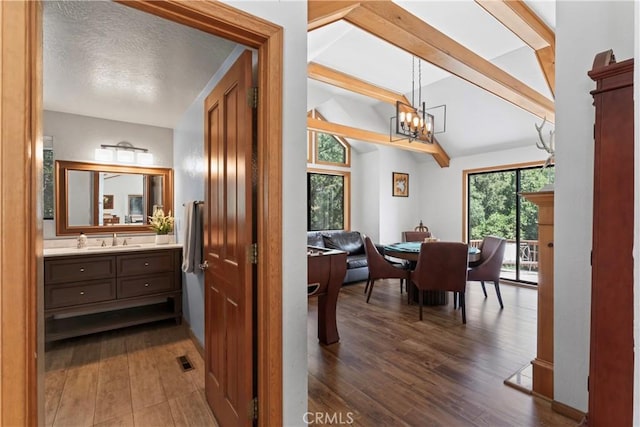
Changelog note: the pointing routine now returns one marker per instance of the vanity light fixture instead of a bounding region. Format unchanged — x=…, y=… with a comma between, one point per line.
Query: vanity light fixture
x=125, y=153
x=103, y=155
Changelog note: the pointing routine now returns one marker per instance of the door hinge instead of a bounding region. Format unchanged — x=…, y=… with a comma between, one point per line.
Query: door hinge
x=252, y=97
x=253, y=409
x=253, y=253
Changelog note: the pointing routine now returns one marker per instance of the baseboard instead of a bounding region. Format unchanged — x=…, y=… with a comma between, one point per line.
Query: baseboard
x=193, y=338
x=567, y=411
x=518, y=284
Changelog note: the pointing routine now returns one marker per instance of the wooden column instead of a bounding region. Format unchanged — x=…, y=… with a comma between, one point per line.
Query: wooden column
x=543, y=363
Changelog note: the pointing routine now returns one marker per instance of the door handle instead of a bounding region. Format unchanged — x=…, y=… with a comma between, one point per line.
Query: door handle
x=204, y=265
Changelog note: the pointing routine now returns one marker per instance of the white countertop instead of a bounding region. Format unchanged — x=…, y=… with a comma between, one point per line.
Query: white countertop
x=95, y=250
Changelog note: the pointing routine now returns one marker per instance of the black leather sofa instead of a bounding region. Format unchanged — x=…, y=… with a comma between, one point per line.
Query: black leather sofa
x=351, y=242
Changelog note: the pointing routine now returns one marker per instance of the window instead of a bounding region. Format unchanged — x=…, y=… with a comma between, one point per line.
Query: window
x=328, y=188
x=327, y=149
x=327, y=204
x=331, y=150
x=495, y=208
x=47, y=184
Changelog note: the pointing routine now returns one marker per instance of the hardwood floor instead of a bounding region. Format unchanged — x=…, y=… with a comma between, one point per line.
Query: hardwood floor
x=391, y=369
x=128, y=377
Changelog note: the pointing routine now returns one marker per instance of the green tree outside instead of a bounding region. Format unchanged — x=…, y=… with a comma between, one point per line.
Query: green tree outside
x=326, y=202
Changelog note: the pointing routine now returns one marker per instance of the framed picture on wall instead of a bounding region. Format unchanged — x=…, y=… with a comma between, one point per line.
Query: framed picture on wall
x=135, y=204
x=107, y=201
x=400, y=184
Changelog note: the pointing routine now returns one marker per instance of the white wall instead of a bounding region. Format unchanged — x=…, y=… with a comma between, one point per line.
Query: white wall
x=397, y=214
x=375, y=212
x=365, y=195
x=292, y=15
x=189, y=185
x=582, y=30
x=442, y=188
x=76, y=137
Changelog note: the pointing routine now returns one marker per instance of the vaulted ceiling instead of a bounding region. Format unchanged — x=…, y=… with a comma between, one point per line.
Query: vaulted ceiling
x=490, y=63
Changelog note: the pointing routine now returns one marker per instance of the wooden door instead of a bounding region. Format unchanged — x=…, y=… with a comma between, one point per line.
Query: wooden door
x=229, y=233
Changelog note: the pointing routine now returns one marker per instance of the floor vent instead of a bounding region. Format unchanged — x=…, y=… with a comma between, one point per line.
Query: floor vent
x=185, y=364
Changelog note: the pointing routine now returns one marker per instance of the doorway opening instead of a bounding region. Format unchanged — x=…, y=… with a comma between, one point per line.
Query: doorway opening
x=25, y=48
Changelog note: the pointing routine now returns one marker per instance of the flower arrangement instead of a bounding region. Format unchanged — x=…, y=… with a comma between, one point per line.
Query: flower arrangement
x=161, y=223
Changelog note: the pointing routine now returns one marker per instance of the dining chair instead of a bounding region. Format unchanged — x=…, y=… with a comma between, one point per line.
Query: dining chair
x=415, y=236
x=442, y=266
x=487, y=269
x=380, y=268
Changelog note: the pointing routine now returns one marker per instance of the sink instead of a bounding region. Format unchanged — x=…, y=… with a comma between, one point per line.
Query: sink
x=112, y=248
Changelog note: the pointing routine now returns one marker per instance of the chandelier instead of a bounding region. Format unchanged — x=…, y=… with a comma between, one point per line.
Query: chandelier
x=413, y=122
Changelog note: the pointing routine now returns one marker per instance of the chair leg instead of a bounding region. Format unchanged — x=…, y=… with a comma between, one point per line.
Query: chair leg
x=366, y=287
x=455, y=300
x=401, y=283
x=370, y=290
x=484, y=291
x=420, y=301
x=463, y=307
x=497, y=285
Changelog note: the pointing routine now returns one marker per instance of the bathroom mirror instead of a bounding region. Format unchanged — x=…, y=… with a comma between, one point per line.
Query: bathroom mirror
x=98, y=198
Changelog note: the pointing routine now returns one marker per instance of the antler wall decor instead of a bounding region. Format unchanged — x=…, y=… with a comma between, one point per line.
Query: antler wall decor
x=548, y=146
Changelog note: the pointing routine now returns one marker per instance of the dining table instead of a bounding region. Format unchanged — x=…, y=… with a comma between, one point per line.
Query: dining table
x=410, y=251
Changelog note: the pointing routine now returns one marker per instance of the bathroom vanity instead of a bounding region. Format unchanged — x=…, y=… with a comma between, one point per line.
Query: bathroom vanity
x=97, y=289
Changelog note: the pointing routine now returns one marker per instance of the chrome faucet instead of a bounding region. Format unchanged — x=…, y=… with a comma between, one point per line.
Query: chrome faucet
x=114, y=242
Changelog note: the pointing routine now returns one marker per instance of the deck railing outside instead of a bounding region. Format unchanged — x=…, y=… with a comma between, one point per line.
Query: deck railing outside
x=528, y=251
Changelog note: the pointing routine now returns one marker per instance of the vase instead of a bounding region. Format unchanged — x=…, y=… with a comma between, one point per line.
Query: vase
x=162, y=239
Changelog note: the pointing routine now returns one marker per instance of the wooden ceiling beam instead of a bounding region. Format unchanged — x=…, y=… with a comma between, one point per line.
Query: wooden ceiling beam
x=353, y=84
x=524, y=23
x=318, y=125
x=397, y=26
x=345, y=81
x=321, y=13
x=547, y=60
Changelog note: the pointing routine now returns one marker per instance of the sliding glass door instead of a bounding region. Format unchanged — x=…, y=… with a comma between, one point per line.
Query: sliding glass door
x=494, y=208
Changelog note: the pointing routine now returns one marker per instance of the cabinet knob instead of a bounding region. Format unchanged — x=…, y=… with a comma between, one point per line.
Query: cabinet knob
x=81, y=270
x=81, y=292
x=550, y=244
x=146, y=264
x=146, y=285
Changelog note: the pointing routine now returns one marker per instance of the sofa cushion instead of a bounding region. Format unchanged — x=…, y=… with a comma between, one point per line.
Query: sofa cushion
x=348, y=241
x=356, y=261
x=315, y=239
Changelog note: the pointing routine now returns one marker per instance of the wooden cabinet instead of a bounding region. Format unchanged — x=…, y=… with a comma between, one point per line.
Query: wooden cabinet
x=92, y=293
x=543, y=363
x=611, y=354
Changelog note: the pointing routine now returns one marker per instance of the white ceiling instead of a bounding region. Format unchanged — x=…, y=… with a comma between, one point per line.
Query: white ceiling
x=106, y=60
x=476, y=120
x=102, y=59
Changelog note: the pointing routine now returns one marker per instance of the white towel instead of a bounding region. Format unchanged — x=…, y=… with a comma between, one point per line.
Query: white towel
x=192, y=251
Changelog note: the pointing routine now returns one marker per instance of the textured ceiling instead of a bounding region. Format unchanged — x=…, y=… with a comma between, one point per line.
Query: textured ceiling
x=476, y=120
x=106, y=60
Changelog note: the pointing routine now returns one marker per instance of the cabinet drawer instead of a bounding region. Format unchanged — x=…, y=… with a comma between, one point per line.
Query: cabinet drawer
x=145, y=263
x=79, y=293
x=147, y=285
x=78, y=269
